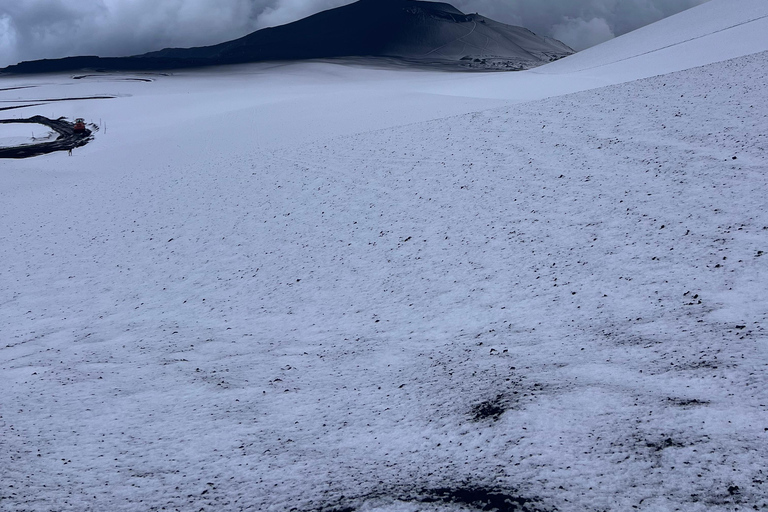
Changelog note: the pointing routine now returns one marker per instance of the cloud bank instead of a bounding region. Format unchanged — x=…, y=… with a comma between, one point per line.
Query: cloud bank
x=38, y=29
x=578, y=23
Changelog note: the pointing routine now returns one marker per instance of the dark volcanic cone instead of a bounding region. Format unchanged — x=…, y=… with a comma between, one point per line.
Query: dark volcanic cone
x=418, y=32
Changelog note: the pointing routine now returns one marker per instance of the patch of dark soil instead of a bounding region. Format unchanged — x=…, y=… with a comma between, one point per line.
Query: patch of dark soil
x=683, y=402
x=490, y=409
x=709, y=365
x=482, y=499
x=633, y=340
x=666, y=443
x=66, y=141
x=478, y=498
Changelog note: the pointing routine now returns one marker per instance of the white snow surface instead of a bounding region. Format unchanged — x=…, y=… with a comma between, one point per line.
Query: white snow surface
x=14, y=134
x=278, y=287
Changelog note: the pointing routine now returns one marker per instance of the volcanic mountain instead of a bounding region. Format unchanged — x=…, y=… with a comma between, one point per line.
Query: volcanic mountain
x=411, y=31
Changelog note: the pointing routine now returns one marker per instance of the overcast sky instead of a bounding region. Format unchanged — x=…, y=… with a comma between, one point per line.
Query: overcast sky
x=38, y=29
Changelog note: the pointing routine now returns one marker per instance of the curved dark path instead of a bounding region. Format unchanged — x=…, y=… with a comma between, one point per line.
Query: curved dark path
x=67, y=139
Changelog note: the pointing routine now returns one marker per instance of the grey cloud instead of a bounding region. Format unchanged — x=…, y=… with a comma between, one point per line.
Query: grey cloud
x=578, y=23
x=36, y=29
x=57, y=28
x=581, y=33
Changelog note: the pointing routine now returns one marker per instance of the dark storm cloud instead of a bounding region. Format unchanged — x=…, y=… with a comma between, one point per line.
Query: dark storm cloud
x=36, y=29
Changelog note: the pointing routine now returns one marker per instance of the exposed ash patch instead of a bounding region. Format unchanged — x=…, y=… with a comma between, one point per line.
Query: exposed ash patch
x=710, y=365
x=632, y=340
x=483, y=499
x=733, y=496
x=658, y=446
x=490, y=409
x=513, y=393
x=687, y=403
x=335, y=509
x=472, y=497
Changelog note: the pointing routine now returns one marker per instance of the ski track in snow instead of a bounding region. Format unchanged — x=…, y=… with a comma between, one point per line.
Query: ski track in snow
x=322, y=328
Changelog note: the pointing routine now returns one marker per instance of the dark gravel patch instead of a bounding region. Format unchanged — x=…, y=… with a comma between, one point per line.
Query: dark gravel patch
x=482, y=499
x=490, y=409
x=472, y=497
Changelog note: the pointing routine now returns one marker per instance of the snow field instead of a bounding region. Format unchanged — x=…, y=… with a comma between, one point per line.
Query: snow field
x=631, y=215
x=533, y=299
x=13, y=134
x=304, y=287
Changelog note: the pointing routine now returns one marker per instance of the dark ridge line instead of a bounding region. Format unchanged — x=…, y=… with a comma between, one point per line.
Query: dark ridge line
x=20, y=87
x=21, y=106
x=114, y=78
x=49, y=100
x=413, y=30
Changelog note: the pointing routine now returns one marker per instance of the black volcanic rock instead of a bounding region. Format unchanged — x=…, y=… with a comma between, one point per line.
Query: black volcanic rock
x=416, y=31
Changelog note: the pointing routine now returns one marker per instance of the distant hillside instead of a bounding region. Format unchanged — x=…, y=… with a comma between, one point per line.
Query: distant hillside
x=413, y=31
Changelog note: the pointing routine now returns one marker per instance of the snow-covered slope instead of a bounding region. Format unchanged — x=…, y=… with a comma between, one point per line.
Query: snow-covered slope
x=712, y=32
x=322, y=287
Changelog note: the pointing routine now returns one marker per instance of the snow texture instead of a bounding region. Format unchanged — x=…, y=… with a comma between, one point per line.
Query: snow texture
x=321, y=287
x=17, y=134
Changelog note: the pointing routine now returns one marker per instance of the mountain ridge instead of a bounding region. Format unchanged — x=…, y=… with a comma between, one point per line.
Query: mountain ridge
x=414, y=31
